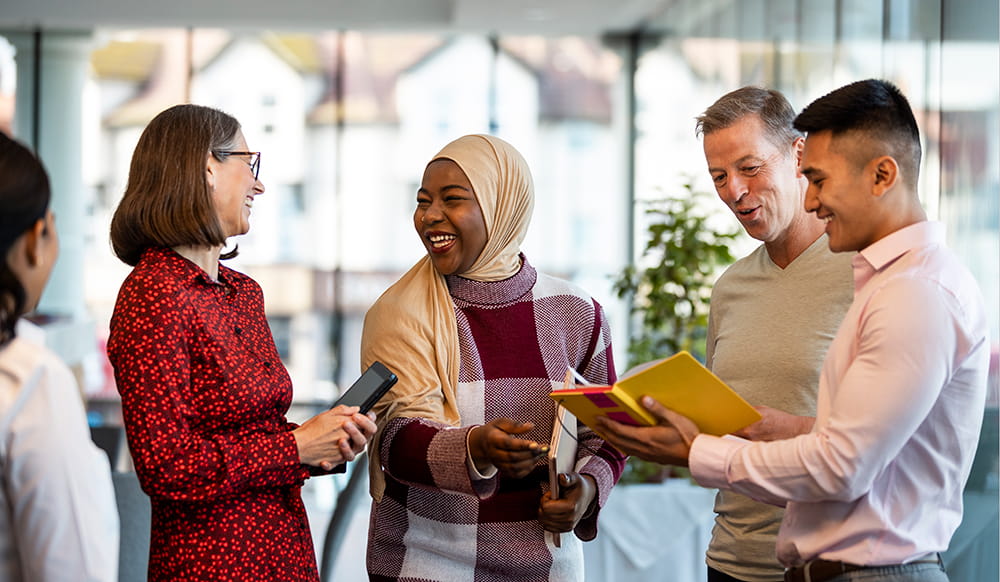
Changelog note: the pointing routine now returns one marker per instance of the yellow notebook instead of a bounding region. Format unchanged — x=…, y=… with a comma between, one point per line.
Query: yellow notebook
x=679, y=382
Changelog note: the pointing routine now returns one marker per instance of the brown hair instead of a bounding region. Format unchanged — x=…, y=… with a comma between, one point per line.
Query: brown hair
x=769, y=105
x=167, y=201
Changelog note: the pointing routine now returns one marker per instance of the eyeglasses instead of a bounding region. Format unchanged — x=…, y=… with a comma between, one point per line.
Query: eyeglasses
x=254, y=159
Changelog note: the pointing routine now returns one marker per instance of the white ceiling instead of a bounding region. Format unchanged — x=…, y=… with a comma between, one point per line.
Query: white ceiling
x=502, y=16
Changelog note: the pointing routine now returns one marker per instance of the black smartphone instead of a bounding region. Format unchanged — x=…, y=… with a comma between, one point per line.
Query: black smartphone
x=367, y=390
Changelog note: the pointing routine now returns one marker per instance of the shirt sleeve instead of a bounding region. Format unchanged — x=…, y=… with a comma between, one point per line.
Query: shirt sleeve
x=422, y=452
x=151, y=352
x=58, y=486
x=909, y=342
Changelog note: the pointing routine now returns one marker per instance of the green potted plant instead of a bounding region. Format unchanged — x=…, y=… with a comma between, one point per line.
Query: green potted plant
x=669, y=289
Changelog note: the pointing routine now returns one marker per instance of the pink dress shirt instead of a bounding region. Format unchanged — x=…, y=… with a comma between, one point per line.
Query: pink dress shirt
x=879, y=479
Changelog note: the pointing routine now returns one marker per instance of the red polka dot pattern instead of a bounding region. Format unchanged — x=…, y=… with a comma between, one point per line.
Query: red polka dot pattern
x=204, y=397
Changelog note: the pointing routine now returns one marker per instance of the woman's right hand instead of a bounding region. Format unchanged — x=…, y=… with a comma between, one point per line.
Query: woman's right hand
x=334, y=437
x=494, y=444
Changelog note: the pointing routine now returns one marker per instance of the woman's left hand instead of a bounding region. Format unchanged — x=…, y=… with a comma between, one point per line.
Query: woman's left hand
x=334, y=436
x=576, y=493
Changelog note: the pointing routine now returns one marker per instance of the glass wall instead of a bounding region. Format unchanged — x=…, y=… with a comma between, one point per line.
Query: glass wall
x=346, y=121
x=942, y=54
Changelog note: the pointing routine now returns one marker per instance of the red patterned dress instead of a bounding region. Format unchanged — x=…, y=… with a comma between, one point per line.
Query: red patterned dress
x=204, y=397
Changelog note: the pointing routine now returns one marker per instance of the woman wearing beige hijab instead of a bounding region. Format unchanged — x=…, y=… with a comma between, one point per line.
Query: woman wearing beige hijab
x=478, y=338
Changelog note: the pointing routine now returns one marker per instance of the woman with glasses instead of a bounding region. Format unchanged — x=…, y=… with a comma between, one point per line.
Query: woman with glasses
x=204, y=392
x=58, y=520
x=479, y=338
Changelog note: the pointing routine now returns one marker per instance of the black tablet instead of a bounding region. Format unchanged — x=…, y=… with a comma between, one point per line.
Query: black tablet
x=367, y=390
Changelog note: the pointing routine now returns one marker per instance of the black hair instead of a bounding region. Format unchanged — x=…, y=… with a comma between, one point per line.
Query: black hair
x=879, y=112
x=24, y=199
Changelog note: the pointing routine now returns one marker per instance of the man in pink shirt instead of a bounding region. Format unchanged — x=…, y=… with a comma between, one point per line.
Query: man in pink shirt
x=874, y=491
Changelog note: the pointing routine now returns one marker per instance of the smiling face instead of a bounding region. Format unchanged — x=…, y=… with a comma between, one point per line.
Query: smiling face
x=756, y=179
x=233, y=189
x=448, y=218
x=841, y=194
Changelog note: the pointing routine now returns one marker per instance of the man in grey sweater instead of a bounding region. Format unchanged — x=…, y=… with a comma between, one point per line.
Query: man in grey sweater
x=774, y=312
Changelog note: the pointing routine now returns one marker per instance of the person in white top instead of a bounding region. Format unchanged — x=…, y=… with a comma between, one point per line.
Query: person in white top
x=874, y=490
x=58, y=519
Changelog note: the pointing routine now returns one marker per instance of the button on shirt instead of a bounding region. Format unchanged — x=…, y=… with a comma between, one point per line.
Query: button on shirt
x=879, y=479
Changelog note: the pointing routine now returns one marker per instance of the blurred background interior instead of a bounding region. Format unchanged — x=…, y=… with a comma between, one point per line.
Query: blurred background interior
x=348, y=100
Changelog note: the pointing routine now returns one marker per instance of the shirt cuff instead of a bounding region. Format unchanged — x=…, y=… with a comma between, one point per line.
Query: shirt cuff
x=489, y=473
x=709, y=459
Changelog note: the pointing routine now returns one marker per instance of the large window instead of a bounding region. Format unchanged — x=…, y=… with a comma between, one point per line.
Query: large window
x=944, y=56
x=346, y=122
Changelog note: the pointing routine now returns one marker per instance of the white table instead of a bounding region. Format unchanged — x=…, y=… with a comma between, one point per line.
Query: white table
x=652, y=532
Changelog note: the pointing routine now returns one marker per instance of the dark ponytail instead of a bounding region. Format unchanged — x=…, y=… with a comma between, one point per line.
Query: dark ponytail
x=24, y=199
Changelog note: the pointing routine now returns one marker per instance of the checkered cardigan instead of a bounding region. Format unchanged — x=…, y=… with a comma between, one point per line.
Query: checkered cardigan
x=436, y=522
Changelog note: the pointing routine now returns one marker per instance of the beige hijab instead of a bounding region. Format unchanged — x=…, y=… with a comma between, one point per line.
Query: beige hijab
x=412, y=328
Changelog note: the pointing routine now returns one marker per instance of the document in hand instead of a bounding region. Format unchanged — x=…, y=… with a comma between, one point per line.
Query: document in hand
x=679, y=382
x=562, y=449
